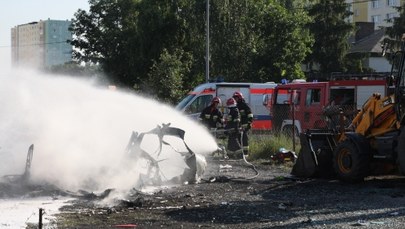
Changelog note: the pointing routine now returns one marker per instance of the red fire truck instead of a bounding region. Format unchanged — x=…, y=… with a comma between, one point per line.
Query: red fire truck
x=301, y=104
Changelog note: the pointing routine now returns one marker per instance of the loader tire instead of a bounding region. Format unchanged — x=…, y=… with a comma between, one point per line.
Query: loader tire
x=401, y=151
x=350, y=164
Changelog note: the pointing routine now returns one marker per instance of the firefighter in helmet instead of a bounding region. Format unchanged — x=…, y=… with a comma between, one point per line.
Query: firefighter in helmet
x=246, y=120
x=233, y=125
x=211, y=116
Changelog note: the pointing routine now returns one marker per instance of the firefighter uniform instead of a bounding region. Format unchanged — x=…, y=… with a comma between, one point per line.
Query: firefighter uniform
x=211, y=116
x=232, y=126
x=246, y=121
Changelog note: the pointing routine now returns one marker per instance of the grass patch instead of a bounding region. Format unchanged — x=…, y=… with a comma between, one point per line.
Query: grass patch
x=264, y=146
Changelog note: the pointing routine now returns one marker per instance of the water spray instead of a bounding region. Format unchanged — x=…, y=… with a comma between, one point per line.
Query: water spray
x=80, y=131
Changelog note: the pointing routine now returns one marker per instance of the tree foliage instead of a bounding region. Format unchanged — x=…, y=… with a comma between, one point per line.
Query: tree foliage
x=75, y=69
x=246, y=35
x=331, y=32
x=283, y=44
x=105, y=36
x=159, y=45
x=166, y=76
x=396, y=31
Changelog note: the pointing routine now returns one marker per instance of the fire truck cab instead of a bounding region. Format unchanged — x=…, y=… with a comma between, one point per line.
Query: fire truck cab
x=301, y=105
x=201, y=96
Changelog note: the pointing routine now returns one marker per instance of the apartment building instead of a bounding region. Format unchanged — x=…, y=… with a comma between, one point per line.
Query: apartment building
x=371, y=17
x=41, y=44
x=380, y=12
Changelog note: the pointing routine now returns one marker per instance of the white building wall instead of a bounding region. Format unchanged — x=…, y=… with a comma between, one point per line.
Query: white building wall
x=381, y=11
x=41, y=44
x=379, y=64
x=29, y=47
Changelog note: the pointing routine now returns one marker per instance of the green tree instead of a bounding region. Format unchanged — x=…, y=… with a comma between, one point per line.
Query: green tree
x=166, y=76
x=105, y=36
x=232, y=39
x=257, y=40
x=284, y=42
x=331, y=32
x=134, y=40
x=126, y=37
x=74, y=69
x=354, y=62
x=396, y=31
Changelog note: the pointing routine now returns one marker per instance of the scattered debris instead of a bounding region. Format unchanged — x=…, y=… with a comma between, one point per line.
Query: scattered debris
x=284, y=205
x=284, y=155
x=136, y=203
x=309, y=220
x=225, y=168
x=221, y=179
x=365, y=223
x=25, y=176
x=126, y=226
x=92, y=196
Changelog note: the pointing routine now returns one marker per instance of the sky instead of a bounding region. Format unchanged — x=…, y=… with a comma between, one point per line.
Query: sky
x=17, y=12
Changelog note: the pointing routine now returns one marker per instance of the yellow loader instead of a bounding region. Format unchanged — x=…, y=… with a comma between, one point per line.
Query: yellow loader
x=373, y=143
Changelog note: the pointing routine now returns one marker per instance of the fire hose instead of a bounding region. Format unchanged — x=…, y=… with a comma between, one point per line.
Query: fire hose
x=221, y=132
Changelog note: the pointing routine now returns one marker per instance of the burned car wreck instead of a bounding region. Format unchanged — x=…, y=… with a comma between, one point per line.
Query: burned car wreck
x=193, y=167
x=196, y=163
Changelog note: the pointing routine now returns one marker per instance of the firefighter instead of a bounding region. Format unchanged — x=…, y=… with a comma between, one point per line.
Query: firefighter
x=233, y=125
x=211, y=116
x=246, y=120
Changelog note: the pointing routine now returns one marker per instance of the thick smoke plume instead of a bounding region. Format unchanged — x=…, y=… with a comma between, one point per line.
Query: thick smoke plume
x=80, y=131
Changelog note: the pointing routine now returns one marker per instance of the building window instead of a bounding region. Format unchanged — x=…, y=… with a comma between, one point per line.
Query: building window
x=390, y=17
x=391, y=2
x=374, y=4
x=376, y=19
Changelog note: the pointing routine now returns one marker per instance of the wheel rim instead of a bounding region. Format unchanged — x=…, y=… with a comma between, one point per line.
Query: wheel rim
x=345, y=161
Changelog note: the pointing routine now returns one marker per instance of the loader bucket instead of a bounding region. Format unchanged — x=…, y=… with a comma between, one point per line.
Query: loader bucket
x=316, y=154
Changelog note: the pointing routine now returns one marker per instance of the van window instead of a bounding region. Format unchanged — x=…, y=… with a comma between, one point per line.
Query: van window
x=185, y=101
x=199, y=104
x=313, y=97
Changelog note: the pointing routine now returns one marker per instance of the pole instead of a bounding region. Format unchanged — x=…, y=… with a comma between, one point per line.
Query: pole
x=293, y=118
x=40, y=218
x=293, y=126
x=207, y=45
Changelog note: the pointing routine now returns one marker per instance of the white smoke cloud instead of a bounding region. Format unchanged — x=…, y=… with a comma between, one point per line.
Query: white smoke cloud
x=80, y=131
